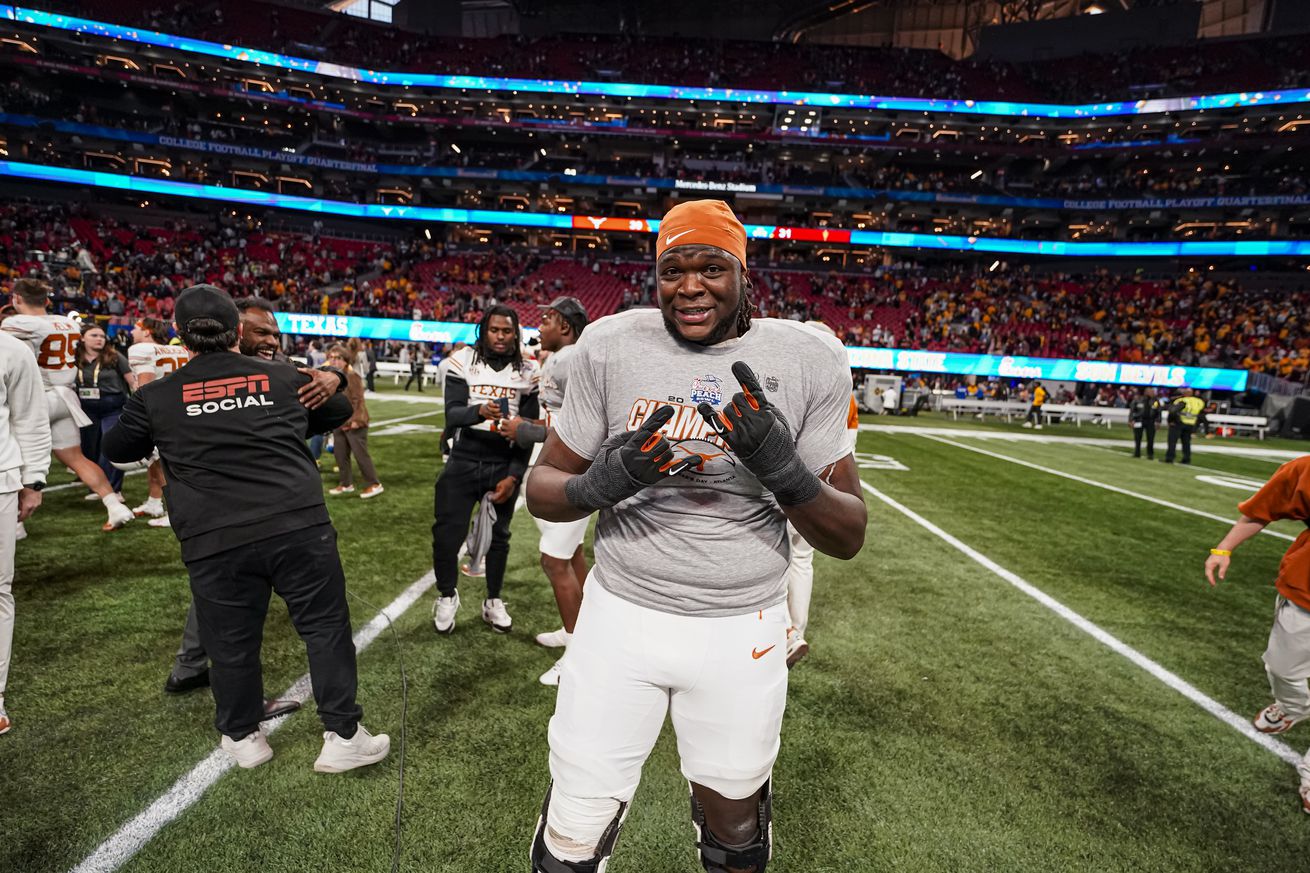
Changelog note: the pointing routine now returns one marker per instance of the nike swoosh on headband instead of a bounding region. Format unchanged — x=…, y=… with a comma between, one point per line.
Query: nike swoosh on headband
x=668, y=240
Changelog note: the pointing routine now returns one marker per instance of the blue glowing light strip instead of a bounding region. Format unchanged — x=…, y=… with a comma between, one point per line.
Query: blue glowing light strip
x=670, y=92
x=504, y=218
x=902, y=360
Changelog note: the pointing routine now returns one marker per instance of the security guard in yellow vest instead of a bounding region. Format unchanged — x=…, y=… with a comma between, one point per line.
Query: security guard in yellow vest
x=1184, y=415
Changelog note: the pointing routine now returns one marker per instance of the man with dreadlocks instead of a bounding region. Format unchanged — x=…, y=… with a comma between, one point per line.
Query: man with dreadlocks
x=485, y=383
x=695, y=482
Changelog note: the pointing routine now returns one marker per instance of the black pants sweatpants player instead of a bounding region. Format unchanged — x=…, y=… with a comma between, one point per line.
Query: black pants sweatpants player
x=461, y=484
x=1149, y=433
x=1184, y=433
x=231, y=590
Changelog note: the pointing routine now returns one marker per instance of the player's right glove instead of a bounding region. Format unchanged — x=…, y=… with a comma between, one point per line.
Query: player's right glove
x=627, y=463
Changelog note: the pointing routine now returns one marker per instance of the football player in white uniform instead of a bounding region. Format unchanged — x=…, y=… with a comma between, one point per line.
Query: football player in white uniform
x=685, y=609
x=151, y=358
x=53, y=339
x=561, y=543
x=487, y=382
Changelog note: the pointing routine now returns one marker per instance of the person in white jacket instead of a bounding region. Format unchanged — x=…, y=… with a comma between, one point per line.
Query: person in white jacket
x=24, y=463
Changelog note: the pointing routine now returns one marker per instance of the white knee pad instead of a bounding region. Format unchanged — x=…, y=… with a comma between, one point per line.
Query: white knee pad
x=579, y=831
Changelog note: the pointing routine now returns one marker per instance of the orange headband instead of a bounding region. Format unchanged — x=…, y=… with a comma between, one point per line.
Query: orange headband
x=702, y=222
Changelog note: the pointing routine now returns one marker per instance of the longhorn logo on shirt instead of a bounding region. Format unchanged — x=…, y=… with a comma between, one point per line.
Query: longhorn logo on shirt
x=690, y=436
x=221, y=395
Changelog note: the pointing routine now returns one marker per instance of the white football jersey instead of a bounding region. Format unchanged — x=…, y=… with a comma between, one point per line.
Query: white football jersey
x=53, y=339
x=486, y=384
x=156, y=358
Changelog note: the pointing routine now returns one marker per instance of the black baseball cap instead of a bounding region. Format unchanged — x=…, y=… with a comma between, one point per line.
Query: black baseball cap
x=206, y=301
x=572, y=310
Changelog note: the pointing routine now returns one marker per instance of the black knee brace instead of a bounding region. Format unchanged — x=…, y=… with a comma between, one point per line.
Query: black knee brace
x=716, y=857
x=544, y=862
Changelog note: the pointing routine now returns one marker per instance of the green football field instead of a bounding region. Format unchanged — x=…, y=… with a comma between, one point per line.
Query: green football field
x=1023, y=670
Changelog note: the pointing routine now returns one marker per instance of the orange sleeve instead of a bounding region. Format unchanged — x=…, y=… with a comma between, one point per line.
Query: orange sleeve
x=1285, y=495
x=853, y=416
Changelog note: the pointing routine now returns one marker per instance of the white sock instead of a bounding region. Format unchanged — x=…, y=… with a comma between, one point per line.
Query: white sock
x=568, y=637
x=110, y=499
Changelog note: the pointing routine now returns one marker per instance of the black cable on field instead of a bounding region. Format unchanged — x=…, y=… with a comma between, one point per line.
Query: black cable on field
x=404, y=712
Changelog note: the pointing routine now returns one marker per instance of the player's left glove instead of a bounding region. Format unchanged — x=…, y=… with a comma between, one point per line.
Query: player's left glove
x=758, y=434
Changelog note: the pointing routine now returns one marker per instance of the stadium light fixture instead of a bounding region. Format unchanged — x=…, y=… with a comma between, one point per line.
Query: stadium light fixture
x=1094, y=9
x=976, y=174
x=454, y=148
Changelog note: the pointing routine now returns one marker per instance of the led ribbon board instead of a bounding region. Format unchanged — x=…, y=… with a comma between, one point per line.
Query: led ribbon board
x=549, y=221
x=1054, y=369
x=902, y=360
x=105, y=30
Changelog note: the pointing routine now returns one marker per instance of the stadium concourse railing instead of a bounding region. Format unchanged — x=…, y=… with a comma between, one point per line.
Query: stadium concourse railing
x=1101, y=415
x=629, y=90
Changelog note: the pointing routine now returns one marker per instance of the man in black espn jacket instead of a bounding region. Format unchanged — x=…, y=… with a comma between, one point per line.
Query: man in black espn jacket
x=246, y=503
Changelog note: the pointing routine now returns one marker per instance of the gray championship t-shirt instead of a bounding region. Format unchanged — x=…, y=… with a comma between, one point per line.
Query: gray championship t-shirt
x=711, y=541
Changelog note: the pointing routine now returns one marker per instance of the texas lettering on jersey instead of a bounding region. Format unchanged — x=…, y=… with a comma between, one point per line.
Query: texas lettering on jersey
x=225, y=395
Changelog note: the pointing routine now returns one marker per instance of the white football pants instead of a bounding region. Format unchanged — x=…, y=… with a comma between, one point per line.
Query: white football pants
x=800, y=580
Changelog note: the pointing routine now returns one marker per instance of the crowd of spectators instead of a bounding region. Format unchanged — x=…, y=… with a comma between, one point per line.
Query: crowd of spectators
x=1228, y=66
x=119, y=270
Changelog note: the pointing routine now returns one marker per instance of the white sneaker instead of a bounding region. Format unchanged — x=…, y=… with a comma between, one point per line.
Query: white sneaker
x=249, y=751
x=342, y=489
x=797, y=648
x=1028, y=424
x=1272, y=720
x=162, y=521
x=494, y=614
x=1037, y=427
x=91, y=496
x=443, y=613
x=20, y=533
x=119, y=514
x=556, y=639
x=362, y=749
x=371, y=491
x=152, y=507
x=551, y=676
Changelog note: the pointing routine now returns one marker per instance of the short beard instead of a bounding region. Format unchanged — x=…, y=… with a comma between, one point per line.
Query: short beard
x=716, y=336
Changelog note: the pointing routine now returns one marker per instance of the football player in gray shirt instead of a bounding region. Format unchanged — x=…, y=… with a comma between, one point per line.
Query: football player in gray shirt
x=697, y=433
x=562, y=323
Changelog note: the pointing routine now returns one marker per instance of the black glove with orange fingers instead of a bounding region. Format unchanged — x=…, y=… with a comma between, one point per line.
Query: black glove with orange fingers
x=627, y=463
x=758, y=435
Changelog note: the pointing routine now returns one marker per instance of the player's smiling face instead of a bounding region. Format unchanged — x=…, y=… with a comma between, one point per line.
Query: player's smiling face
x=700, y=291
x=259, y=334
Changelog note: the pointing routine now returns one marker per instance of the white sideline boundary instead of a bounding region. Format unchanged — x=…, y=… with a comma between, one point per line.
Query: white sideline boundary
x=120, y=848
x=1105, y=638
x=1105, y=485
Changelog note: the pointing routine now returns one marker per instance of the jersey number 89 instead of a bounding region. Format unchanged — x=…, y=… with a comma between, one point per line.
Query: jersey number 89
x=58, y=352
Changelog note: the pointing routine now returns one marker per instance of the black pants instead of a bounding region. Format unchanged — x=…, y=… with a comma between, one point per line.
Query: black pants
x=230, y=591
x=1149, y=431
x=1183, y=432
x=461, y=484
x=415, y=375
x=1034, y=414
x=104, y=415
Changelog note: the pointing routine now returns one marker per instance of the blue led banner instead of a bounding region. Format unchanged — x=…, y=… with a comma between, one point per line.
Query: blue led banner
x=865, y=358
x=548, y=221
x=1054, y=369
x=620, y=89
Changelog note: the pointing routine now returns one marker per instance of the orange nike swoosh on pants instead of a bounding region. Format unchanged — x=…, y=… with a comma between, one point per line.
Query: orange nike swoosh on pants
x=757, y=654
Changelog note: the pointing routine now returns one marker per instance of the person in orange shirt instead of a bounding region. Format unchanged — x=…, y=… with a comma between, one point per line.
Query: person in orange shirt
x=1287, y=657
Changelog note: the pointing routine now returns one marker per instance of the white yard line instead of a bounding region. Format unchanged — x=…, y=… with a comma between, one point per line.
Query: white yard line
x=387, y=421
x=133, y=836
x=1239, y=723
x=1105, y=485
